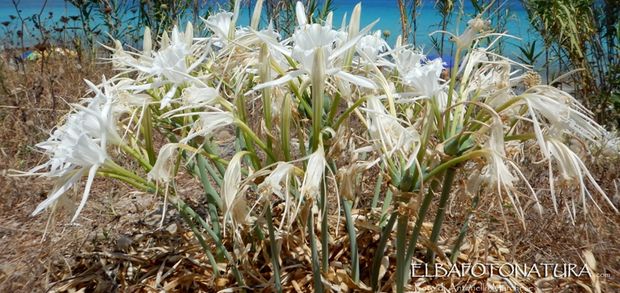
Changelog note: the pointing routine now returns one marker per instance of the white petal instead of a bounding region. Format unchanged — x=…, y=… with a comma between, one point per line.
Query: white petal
x=284, y=79
x=300, y=11
x=357, y=80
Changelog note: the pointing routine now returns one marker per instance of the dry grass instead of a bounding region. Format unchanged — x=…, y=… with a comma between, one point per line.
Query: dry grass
x=119, y=245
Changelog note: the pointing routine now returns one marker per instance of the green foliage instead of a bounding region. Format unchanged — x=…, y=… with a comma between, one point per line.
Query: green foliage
x=529, y=55
x=582, y=35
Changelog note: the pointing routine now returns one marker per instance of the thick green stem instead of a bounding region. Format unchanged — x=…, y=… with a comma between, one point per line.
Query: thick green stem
x=265, y=75
x=213, y=199
x=355, y=267
x=136, y=155
x=413, y=238
x=386, y=232
x=441, y=168
x=273, y=244
x=182, y=206
x=448, y=179
x=285, y=128
x=459, y=241
x=203, y=244
x=333, y=109
x=316, y=267
x=401, y=246
x=147, y=134
x=318, y=88
x=324, y=231
x=250, y=137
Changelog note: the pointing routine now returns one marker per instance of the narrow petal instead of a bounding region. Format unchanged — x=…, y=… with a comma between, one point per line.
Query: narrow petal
x=357, y=80
x=89, y=182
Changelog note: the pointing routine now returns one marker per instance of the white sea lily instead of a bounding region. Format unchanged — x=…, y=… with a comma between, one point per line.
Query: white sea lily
x=73, y=155
x=311, y=184
x=406, y=60
x=235, y=208
x=389, y=135
x=562, y=112
x=474, y=27
x=572, y=168
x=219, y=24
x=78, y=147
x=279, y=175
x=372, y=46
x=207, y=122
x=497, y=171
x=306, y=41
x=273, y=184
x=169, y=65
x=162, y=170
x=100, y=116
x=199, y=96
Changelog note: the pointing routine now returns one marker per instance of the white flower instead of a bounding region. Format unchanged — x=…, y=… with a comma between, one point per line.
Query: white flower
x=199, y=96
x=73, y=154
x=561, y=112
x=388, y=135
x=422, y=75
x=162, y=170
x=306, y=41
x=234, y=207
x=207, y=123
x=406, y=61
x=474, y=28
x=372, y=45
x=497, y=171
x=169, y=65
x=219, y=24
x=281, y=175
x=311, y=185
x=572, y=168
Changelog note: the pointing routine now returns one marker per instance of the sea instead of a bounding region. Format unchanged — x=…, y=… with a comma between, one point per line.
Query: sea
x=510, y=12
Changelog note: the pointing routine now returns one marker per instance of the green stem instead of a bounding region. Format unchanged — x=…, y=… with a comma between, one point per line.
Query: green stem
x=413, y=239
x=355, y=268
x=459, y=241
x=316, y=267
x=324, y=231
x=147, y=133
x=203, y=244
x=252, y=137
x=182, y=206
x=386, y=232
x=333, y=109
x=265, y=75
x=274, y=250
x=401, y=245
x=318, y=88
x=441, y=168
x=448, y=179
x=348, y=112
x=248, y=136
x=213, y=199
x=285, y=128
x=136, y=155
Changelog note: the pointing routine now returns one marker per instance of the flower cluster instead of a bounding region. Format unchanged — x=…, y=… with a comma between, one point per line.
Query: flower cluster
x=259, y=119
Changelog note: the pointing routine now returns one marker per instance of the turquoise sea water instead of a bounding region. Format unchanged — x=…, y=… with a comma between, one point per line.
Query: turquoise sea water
x=428, y=20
